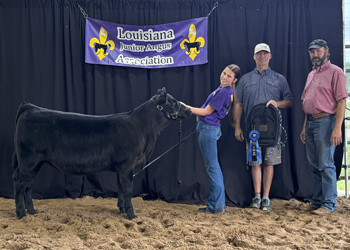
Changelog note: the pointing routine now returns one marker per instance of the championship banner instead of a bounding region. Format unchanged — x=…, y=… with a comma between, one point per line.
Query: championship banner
x=158, y=46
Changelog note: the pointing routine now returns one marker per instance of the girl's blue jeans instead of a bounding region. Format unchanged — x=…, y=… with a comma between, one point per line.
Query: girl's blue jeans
x=208, y=135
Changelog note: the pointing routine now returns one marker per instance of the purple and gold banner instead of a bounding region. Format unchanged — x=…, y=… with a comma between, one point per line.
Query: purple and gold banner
x=158, y=46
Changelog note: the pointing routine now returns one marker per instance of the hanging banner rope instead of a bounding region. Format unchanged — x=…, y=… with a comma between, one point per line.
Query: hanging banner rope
x=215, y=5
x=86, y=16
x=82, y=10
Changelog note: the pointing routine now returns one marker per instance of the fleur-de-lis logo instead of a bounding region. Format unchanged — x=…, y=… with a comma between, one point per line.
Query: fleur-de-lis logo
x=192, y=44
x=101, y=46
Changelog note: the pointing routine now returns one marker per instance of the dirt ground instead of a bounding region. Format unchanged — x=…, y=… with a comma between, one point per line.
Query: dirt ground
x=90, y=223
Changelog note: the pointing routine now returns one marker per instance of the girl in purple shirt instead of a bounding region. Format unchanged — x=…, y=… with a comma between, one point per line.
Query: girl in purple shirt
x=210, y=114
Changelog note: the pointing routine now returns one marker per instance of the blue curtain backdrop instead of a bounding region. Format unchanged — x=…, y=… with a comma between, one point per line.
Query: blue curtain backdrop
x=42, y=61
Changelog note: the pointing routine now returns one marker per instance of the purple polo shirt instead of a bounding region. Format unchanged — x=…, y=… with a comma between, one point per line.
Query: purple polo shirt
x=221, y=100
x=325, y=87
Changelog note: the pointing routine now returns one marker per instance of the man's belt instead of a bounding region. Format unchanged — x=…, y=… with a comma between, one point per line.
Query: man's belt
x=314, y=117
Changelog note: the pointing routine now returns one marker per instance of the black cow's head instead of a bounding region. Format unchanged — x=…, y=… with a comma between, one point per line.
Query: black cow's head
x=170, y=106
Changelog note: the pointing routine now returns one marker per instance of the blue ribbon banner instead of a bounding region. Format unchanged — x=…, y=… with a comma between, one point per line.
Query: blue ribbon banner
x=159, y=46
x=254, y=150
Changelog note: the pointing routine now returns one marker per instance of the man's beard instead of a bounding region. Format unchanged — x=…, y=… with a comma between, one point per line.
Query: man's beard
x=320, y=62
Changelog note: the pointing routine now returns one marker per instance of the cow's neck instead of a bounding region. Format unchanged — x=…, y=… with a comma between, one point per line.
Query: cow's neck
x=151, y=121
x=151, y=118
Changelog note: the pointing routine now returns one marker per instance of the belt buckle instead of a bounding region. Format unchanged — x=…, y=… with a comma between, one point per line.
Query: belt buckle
x=311, y=117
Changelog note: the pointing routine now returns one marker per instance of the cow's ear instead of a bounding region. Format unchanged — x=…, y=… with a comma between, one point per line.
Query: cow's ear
x=161, y=96
x=161, y=91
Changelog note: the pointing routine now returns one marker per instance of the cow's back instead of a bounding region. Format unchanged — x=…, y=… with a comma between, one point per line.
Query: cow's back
x=72, y=142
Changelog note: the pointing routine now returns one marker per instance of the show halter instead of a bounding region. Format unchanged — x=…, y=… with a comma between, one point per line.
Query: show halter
x=167, y=113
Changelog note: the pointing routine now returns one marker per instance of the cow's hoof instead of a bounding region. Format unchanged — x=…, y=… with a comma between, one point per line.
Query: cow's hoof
x=20, y=215
x=31, y=211
x=132, y=216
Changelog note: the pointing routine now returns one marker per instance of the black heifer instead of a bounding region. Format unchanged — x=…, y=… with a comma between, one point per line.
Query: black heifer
x=192, y=45
x=101, y=46
x=84, y=144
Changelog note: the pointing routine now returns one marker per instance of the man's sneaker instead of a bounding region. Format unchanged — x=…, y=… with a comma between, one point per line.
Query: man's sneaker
x=256, y=202
x=266, y=204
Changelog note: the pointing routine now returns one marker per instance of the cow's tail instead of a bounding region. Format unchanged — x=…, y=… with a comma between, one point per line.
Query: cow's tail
x=14, y=160
x=22, y=107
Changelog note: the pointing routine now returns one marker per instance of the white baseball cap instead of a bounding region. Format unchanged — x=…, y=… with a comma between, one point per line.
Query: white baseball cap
x=260, y=47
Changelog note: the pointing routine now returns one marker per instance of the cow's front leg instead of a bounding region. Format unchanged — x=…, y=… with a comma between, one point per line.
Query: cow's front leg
x=29, y=200
x=127, y=188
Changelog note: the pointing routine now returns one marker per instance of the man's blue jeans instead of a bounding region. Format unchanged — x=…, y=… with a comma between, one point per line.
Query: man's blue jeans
x=319, y=152
x=208, y=136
